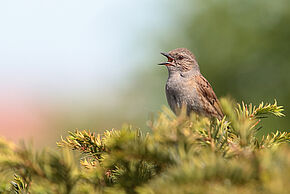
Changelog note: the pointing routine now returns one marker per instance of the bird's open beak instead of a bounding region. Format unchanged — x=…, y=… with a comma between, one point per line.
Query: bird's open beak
x=170, y=59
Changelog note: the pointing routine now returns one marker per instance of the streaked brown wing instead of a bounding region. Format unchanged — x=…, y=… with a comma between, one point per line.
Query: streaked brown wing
x=211, y=102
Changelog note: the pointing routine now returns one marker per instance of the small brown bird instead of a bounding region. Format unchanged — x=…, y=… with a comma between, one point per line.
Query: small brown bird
x=187, y=87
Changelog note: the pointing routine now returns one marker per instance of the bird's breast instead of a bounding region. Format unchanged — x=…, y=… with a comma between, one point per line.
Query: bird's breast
x=182, y=88
x=181, y=92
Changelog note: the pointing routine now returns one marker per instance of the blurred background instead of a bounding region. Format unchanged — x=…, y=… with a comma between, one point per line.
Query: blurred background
x=73, y=64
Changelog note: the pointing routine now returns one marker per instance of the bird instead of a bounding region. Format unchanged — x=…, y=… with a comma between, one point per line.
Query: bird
x=186, y=86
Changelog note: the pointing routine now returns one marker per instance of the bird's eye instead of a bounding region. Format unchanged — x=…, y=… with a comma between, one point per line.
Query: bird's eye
x=180, y=57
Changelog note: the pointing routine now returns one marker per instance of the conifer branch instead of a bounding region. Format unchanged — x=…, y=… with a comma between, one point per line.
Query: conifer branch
x=182, y=154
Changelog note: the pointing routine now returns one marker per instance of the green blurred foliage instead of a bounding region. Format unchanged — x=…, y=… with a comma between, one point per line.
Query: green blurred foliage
x=242, y=48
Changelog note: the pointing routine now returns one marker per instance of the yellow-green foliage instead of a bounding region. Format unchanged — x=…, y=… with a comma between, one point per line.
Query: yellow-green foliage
x=180, y=155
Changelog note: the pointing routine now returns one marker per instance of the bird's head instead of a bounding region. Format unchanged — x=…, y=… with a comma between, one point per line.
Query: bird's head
x=181, y=60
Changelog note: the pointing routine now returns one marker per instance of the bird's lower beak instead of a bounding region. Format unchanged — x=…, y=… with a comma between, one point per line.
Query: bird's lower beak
x=169, y=57
x=165, y=63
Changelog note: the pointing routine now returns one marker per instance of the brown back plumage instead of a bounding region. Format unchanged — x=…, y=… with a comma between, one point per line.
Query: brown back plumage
x=211, y=102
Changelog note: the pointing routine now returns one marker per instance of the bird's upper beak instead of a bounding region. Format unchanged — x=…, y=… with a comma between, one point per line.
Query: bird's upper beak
x=169, y=57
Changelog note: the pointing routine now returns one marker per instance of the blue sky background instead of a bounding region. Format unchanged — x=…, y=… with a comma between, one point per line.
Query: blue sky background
x=63, y=62
x=74, y=46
